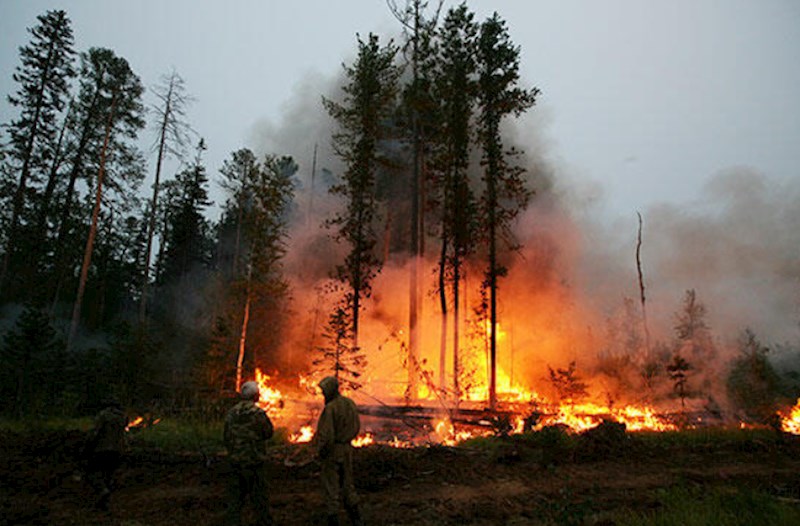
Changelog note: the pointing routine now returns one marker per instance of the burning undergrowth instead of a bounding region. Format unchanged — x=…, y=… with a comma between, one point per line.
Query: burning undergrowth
x=581, y=338
x=573, y=345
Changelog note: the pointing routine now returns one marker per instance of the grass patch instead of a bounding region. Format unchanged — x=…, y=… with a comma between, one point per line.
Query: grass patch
x=705, y=438
x=33, y=425
x=169, y=434
x=173, y=434
x=681, y=506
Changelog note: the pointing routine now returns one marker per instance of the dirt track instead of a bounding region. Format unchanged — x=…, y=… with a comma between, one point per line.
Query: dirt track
x=517, y=482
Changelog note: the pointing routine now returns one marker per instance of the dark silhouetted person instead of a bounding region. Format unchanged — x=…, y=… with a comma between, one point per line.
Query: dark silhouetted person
x=338, y=425
x=247, y=429
x=104, y=448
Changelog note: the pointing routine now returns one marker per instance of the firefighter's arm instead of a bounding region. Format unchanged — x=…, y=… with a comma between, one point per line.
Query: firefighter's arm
x=324, y=437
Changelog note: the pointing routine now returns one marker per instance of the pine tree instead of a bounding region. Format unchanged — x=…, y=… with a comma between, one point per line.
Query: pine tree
x=236, y=172
x=753, y=385
x=38, y=268
x=260, y=197
x=87, y=125
x=678, y=371
x=44, y=74
x=369, y=99
x=123, y=114
x=455, y=90
x=567, y=382
x=691, y=329
x=505, y=193
x=338, y=355
x=420, y=120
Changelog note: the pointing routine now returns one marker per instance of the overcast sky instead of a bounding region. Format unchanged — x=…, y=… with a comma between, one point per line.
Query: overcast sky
x=645, y=100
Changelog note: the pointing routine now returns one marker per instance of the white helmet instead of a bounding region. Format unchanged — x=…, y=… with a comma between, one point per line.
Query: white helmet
x=250, y=391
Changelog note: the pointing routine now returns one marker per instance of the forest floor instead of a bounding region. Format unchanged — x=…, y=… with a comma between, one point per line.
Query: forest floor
x=516, y=480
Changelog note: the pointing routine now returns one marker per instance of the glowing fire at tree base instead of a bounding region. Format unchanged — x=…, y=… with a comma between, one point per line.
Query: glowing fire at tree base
x=520, y=417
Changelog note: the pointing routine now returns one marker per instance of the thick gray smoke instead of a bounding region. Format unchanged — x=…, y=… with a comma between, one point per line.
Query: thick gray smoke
x=737, y=245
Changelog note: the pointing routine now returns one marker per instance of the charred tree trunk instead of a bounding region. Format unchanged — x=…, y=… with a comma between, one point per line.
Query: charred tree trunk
x=492, y=283
x=311, y=192
x=443, y=306
x=456, y=327
x=641, y=285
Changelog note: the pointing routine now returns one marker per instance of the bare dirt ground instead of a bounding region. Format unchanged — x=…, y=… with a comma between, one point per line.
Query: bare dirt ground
x=518, y=481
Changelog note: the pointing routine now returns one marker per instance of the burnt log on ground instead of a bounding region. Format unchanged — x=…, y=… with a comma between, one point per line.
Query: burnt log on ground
x=464, y=416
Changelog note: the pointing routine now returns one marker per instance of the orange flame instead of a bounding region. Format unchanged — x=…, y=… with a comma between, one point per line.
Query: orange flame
x=270, y=400
x=305, y=435
x=791, y=423
x=140, y=422
x=363, y=440
x=136, y=422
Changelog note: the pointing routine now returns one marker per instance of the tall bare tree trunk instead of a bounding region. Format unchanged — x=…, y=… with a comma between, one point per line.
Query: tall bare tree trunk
x=492, y=290
x=311, y=192
x=641, y=285
x=87, y=253
x=151, y=225
x=413, y=285
x=456, y=328
x=443, y=307
x=243, y=334
x=413, y=303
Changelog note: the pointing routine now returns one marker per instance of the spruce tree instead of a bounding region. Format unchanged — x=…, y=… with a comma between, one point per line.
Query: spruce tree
x=692, y=331
x=43, y=77
x=369, y=100
x=752, y=383
x=25, y=352
x=186, y=242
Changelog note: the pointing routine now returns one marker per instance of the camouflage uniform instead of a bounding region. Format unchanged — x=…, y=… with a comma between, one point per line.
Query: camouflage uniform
x=104, y=449
x=338, y=425
x=247, y=429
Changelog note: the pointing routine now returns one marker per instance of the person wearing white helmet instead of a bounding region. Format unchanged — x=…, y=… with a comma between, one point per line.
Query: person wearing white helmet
x=338, y=425
x=247, y=430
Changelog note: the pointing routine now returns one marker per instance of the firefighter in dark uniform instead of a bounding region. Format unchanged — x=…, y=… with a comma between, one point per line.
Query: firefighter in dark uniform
x=104, y=448
x=338, y=425
x=247, y=429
